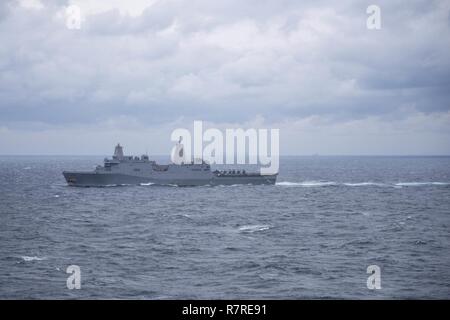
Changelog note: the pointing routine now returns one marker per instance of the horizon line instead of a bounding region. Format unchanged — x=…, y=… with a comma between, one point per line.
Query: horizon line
x=281, y=155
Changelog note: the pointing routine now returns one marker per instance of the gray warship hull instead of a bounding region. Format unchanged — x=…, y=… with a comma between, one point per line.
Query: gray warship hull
x=129, y=170
x=93, y=179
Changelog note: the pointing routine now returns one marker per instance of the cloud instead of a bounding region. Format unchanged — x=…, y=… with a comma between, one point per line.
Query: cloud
x=224, y=62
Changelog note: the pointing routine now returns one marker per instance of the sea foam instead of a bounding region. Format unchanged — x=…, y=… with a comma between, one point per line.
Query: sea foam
x=28, y=258
x=306, y=184
x=254, y=228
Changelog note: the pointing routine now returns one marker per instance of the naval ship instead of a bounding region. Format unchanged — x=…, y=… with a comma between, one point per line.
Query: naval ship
x=129, y=170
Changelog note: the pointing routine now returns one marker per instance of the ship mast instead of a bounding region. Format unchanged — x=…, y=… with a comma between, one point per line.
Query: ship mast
x=118, y=152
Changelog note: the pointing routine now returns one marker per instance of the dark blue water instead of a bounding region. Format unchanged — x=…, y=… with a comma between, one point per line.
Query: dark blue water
x=310, y=236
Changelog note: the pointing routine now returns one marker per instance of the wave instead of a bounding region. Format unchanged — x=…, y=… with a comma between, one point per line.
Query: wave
x=27, y=258
x=363, y=184
x=306, y=184
x=254, y=228
x=359, y=184
x=114, y=185
x=418, y=184
x=158, y=184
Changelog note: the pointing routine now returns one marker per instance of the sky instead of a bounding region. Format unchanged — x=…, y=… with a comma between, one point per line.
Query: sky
x=136, y=70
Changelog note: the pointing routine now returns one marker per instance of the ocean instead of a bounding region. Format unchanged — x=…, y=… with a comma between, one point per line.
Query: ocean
x=310, y=236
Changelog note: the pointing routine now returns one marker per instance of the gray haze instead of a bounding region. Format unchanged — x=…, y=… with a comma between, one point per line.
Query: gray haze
x=136, y=70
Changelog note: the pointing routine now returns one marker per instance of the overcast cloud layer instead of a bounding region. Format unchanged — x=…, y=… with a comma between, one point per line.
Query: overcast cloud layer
x=136, y=70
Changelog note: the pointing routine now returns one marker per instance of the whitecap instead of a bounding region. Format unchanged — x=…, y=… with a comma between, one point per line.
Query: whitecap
x=28, y=258
x=147, y=184
x=254, y=228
